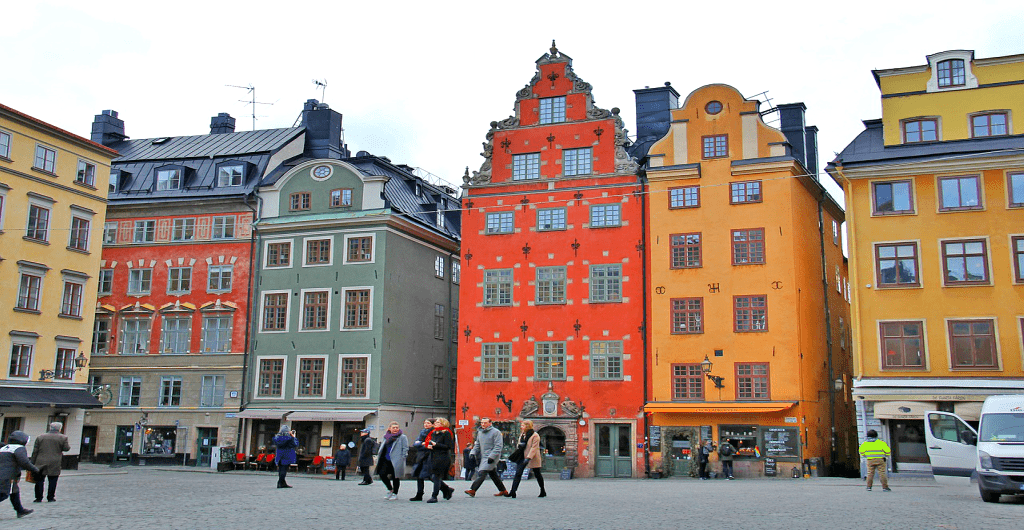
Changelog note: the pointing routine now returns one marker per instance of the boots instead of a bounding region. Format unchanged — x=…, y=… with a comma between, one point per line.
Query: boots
x=16, y=503
x=419, y=490
x=543, y=493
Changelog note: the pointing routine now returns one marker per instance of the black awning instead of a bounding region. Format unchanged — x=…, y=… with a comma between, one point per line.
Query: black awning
x=48, y=397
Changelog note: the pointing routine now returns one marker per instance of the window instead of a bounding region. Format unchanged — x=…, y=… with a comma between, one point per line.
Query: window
x=101, y=335
x=439, y=327
x=835, y=232
x=216, y=334
x=685, y=197
x=499, y=223
x=713, y=107
x=28, y=291
x=1017, y=244
x=439, y=219
x=170, y=391
x=311, y=377
x=916, y=131
x=687, y=316
x=606, y=359
x=64, y=367
x=299, y=201
x=179, y=279
x=71, y=303
x=79, y=237
x=139, y=281
x=131, y=392
x=748, y=246
x=576, y=162
x=549, y=361
x=21, y=360
x=134, y=336
x=145, y=231
x=38, y=223
x=230, y=175
x=745, y=192
x=224, y=227
x=951, y=73
x=318, y=252
x=184, y=230
x=357, y=309
x=972, y=343
x=687, y=382
x=279, y=254
x=212, y=392
x=605, y=283
x=275, y=312
x=551, y=285
x=992, y=124
x=105, y=281
x=46, y=159
x=1015, y=189
x=965, y=262
x=456, y=271
x=552, y=110
x=551, y=219
x=438, y=382
x=752, y=381
x=497, y=362
x=751, y=313
x=892, y=197
x=341, y=198
x=605, y=215
x=271, y=377
x=498, y=287
x=959, y=193
x=897, y=264
x=360, y=249
x=5, y=145
x=439, y=267
x=902, y=344
x=716, y=146
x=219, y=280
x=526, y=166
x=110, y=233
x=86, y=173
x=315, y=310
x=168, y=179
x=686, y=251
x=176, y=335
x=353, y=376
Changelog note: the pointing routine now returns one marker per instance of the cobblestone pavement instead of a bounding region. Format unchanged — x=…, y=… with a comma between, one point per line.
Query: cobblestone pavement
x=98, y=496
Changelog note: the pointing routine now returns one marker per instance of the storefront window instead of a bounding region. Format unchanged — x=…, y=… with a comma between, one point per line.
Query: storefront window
x=743, y=437
x=681, y=446
x=909, y=445
x=159, y=441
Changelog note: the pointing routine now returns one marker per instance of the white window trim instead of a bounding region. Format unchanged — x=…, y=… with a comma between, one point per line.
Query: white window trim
x=996, y=341
x=288, y=312
x=4, y=206
x=195, y=226
x=298, y=375
x=81, y=216
x=10, y=143
x=160, y=391
x=140, y=293
x=369, y=366
x=95, y=169
x=228, y=266
x=439, y=272
x=99, y=282
x=967, y=56
x=135, y=230
x=305, y=247
x=56, y=155
x=284, y=376
x=302, y=309
x=291, y=253
x=373, y=246
x=45, y=204
x=230, y=315
x=234, y=227
x=202, y=379
x=78, y=279
x=163, y=332
x=23, y=340
x=106, y=227
x=120, y=385
x=344, y=294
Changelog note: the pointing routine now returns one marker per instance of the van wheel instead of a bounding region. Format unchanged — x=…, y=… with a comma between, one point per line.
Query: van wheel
x=988, y=496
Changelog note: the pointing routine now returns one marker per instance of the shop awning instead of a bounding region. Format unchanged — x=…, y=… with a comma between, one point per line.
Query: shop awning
x=329, y=415
x=78, y=398
x=263, y=414
x=903, y=410
x=719, y=408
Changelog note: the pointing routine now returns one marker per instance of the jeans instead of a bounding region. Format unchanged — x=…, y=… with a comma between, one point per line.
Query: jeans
x=51, y=488
x=483, y=475
x=727, y=468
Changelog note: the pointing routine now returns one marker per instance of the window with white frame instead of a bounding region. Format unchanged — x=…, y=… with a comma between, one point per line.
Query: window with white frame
x=359, y=249
x=576, y=162
x=354, y=376
x=135, y=335
x=110, y=233
x=170, y=391
x=64, y=364
x=211, y=393
x=168, y=179
x=219, y=280
x=5, y=145
x=606, y=359
x=606, y=283
x=140, y=281
x=78, y=239
x=318, y=252
x=46, y=159
x=526, y=166
x=357, y=309
x=279, y=254
x=145, y=232
x=217, y=334
x=499, y=223
x=38, y=226
x=130, y=392
x=230, y=175
x=71, y=302
x=21, y=360
x=552, y=110
x=456, y=271
x=224, y=227
x=275, y=312
x=439, y=267
x=311, y=377
x=184, y=229
x=179, y=280
x=101, y=335
x=341, y=198
x=30, y=288
x=86, y=173
x=176, y=334
x=602, y=215
x=271, y=378
x=315, y=310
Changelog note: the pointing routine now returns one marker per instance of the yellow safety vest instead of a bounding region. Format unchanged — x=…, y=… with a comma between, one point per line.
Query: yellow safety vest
x=874, y=449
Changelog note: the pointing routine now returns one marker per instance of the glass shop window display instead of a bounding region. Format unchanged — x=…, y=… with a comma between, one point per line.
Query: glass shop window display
x=742, y=437
x=159, y=441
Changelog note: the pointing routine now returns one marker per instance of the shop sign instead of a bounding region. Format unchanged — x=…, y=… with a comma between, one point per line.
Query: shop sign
x=790, y=419
x=655, y=439
x=781, y=441
x=770, y=467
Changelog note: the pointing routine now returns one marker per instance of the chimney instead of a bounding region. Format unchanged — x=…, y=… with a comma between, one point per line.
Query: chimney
x=323, y=130
x=811, y=144
x=653, y=114
x=107, y=129
x=222, y=123
x=791, y=121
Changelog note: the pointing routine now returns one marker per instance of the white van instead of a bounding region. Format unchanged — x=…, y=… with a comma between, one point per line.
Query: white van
x=996, y=457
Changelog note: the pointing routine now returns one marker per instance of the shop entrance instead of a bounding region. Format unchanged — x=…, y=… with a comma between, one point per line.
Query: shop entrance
x=207, y=439
x=87, y=451
x=123, y=442
x=678, y=445
x=908, y=444
x=552, y=444
x=614, y=451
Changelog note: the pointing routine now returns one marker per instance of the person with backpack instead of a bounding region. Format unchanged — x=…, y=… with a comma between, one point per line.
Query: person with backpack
x=726, y=451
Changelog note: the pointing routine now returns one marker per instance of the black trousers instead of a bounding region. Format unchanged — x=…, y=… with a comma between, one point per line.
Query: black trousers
x=14, y=492
x=387, y=476
x=339, y=471
x=481, y=475
x=704, y=470
x=51, y=487
x=439, y=484
x=520, y=467
x=367, y=478
x=282, y=470
x=469, y=472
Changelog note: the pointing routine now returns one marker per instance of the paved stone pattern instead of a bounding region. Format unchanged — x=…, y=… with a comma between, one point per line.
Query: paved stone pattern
x=137, y=497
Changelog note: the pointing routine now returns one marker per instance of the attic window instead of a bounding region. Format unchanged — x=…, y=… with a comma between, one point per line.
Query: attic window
x=951, y=73
x=163, y=140
x=230, y=175
x=440, y=215
x=168, y=179
x=713, y=107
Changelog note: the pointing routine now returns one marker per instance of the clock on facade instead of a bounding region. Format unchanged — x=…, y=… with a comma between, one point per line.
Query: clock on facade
x=321, y=172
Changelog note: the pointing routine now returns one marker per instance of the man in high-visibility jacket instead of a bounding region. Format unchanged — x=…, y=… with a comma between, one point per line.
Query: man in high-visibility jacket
x=875, y=451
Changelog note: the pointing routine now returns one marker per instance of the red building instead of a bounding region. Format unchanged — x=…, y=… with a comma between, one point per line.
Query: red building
x=552, y=312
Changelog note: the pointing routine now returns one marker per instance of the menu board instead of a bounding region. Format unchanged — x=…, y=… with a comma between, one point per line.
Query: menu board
x=781, y=441
x=654, y=440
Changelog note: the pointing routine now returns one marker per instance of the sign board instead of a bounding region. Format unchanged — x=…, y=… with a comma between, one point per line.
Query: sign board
x=566, y=474
x=463, y=423
x=770, y=467
x=790, y=419
x=655, y=439
x=230, y=414
x=705, y=432
x=326, y=441
x=781, y=442
x=329, y=464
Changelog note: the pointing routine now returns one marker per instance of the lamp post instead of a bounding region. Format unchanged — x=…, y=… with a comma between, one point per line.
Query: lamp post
x=705, y=366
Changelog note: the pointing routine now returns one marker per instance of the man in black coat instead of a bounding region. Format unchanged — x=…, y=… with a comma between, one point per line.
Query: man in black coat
x=14, y=458
x=366, y=452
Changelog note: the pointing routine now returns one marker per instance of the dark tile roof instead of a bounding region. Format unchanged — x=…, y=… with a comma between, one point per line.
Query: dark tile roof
x=48, y=397
x=204, y=145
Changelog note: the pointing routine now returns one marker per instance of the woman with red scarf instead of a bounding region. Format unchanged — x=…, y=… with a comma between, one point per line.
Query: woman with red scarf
x=440, y=442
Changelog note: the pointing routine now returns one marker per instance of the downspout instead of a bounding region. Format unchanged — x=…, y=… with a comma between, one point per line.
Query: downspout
x=250, y=337
x=449, y=335
x=828, y=327
x=642, y=175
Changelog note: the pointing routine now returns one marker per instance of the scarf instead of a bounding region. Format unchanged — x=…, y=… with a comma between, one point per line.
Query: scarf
x=390, y=435
x=525, y=438
x=436, y=430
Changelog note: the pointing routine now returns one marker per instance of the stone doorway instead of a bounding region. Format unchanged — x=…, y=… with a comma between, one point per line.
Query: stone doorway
x=678, y=446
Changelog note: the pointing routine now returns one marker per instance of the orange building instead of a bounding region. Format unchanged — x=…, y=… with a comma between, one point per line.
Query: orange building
x=747, y=281
x=552, y=300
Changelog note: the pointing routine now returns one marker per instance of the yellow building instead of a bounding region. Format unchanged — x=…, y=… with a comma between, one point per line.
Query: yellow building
x=53, y=187
x=935, y=212
x=747, y=293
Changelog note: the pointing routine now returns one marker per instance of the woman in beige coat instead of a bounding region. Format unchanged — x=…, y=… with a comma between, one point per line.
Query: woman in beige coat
x=527, y=455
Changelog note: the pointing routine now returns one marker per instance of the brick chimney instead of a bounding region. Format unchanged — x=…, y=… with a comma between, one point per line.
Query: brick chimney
x=222, y=123
x=107, y=129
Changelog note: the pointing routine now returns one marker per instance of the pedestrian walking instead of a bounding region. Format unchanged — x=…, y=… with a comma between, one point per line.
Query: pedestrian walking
x=14, y=458
x=342, y=458
x=726, y=452
x=421, y=466
x=441, y=442
x=527, y=456
x=876, y=452
x=391, y=460
x=367, y=448
x=47, y=453
x=284, y=455
x=487, y=449
x=469, y=461
x=703, y=458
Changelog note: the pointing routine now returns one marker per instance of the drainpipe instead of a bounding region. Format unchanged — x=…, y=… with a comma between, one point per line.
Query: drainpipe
x=828, y=326
x=250, y=306
x=448, y=342
x=642, y=176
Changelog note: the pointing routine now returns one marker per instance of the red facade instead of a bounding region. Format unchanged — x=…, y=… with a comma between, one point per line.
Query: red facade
x=552, y=313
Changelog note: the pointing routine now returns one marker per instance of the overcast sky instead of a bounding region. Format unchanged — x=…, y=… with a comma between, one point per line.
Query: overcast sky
x=419, y=82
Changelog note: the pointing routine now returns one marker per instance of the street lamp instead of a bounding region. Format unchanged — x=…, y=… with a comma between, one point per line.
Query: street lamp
x=705, y=366
x=66, y=373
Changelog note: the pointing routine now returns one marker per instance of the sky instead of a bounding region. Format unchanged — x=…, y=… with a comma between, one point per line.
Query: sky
x=419, y=82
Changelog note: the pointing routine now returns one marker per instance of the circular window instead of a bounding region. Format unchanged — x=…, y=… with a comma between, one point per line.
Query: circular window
x=713, y=107
x=322, y=172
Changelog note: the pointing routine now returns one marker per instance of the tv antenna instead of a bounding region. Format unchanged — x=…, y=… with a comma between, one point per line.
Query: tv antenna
x=251, y=101
x=322, y=85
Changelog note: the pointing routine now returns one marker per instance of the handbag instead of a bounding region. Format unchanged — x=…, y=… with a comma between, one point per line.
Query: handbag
x=517, y=456
x=30, y=477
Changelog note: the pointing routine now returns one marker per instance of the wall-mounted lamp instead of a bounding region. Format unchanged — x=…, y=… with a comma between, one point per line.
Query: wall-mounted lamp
x=66, y=373
x=705, y=366
x=507, y=402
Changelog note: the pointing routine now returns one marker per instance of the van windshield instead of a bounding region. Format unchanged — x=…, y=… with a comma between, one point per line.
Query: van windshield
x=1006, y=428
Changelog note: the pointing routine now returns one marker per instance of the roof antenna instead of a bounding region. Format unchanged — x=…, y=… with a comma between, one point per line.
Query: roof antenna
x=252, y=101
x=323, y=88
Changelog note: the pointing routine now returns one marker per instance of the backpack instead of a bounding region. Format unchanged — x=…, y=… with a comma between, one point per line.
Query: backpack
x=727, y=449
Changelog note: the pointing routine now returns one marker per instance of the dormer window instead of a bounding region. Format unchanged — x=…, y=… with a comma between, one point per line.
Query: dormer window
x=440, y=215
x=951, y=73
x=552, y=110
x=920, y=130
x=168, y=179
x=230, y=175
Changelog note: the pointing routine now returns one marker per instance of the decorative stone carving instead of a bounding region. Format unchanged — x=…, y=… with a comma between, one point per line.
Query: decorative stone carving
x=530, y=407
x=597, y=113
x=569, y=407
